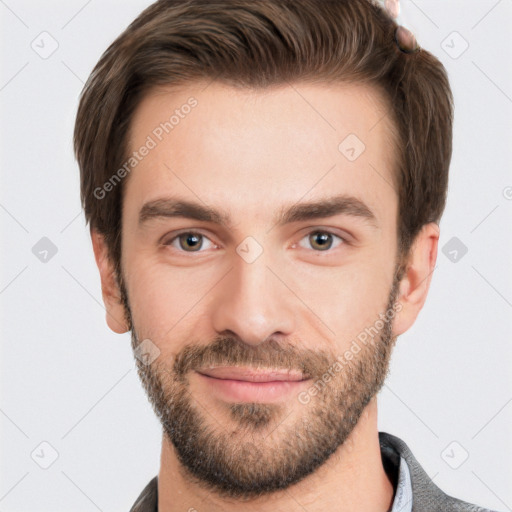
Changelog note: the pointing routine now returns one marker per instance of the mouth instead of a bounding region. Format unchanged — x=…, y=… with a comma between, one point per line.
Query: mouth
x=247, y=374
x=244, y=384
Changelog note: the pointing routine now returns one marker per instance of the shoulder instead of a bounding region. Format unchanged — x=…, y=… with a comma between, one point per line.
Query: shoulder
x=427, y=497
x=148, y=498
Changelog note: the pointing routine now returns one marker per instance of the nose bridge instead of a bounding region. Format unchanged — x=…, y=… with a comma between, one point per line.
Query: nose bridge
x=252, y=303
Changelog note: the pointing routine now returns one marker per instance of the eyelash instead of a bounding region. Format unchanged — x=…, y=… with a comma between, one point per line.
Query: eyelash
x=343, y=240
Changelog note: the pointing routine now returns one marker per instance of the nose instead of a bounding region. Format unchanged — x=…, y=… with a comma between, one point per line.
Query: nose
x=253, y=303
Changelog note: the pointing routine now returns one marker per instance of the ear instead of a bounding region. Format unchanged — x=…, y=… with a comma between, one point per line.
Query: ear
x=109, y=286
x=415, y=282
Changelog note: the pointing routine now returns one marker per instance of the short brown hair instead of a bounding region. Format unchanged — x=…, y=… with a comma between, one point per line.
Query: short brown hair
x=258, y=44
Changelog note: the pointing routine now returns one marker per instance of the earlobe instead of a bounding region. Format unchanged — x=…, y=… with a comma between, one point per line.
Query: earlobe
x=110, y=291
x=415, y=283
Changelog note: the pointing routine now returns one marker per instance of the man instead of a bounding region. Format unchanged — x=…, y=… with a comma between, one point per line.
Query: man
x=264, y=183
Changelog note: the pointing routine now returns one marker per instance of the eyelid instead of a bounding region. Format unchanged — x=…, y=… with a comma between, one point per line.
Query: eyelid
x=347, y=237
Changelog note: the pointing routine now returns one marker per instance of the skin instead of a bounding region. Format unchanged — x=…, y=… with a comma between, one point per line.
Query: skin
x=393, y=7
x=405, y=38
x=251, y=153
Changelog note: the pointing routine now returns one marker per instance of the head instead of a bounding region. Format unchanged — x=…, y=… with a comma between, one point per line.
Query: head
x=288, y=124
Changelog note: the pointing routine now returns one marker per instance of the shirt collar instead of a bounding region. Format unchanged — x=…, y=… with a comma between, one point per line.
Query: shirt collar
x=403, y=491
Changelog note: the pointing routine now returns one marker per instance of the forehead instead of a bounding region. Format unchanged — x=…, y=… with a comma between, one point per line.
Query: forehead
x=244, y=148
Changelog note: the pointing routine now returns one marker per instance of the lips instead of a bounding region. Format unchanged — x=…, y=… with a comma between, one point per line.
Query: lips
x=247, y=374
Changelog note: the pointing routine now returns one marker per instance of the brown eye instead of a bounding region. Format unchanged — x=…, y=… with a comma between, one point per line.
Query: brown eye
x=322, y=241
x=188, y=242
x=191, y=241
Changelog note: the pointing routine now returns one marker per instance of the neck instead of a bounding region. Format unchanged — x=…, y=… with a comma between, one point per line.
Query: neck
x=353, y=478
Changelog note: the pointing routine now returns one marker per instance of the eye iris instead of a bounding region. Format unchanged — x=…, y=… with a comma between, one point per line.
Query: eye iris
x=190, y=238
x=324, y=238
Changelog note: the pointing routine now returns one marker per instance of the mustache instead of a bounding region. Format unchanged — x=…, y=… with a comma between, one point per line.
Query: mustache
x=271, y=354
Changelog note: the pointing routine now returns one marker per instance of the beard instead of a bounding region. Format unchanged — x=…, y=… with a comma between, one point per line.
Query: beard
x=261, y=449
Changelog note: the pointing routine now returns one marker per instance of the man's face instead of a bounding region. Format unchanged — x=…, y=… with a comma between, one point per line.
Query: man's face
x=265, y=291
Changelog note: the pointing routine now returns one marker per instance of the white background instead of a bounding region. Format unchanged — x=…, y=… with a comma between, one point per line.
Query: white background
x=69, y=381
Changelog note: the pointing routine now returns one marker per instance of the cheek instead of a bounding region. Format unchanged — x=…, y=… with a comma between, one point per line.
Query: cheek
x=347, y=299
x=165, y=298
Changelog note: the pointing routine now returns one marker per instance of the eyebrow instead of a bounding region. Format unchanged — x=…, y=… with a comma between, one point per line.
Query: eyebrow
x=299, y=212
